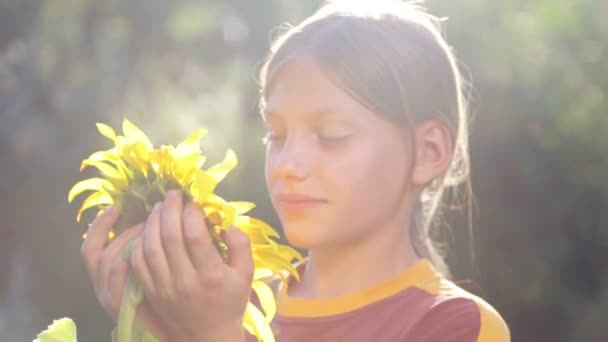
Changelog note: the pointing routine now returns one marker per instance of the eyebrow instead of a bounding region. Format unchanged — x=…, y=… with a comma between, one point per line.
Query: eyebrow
x=315, y=113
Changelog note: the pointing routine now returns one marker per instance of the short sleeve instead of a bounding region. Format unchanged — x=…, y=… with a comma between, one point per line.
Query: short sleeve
x=493, y=326
x=459, y=320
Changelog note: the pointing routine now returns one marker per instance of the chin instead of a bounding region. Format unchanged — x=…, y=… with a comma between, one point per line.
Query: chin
x=303, y=237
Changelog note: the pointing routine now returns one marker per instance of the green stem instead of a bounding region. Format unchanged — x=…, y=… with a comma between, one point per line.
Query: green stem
x=127, y=329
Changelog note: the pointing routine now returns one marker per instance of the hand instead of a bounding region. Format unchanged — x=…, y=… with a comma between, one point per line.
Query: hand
x=197, y=295
x=108, y=271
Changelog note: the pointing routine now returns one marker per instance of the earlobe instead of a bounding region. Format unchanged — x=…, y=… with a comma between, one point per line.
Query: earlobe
x=434, y=150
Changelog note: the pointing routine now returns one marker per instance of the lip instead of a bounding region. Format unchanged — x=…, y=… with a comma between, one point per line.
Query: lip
x=293, y=201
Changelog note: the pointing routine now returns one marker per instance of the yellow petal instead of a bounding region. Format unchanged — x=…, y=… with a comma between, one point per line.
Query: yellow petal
x=229, y=215
x=115, y=175
x=249, y=323
x=255, y=319
x=105, y=168
x=219, y=171
x=217, y=205
x=138, y=155
x=158, y=159
x=247, y=223
x=132, y=133
x=110, y=156
x=214, y=209
x=89, y=184
x=97, y=198
x=106, y=131
x=203, y=186
x=289, y=253
x=184, y=168
x=256, y=236
x=191, y=144
x=268, y=258
x=214, y=217
x=242, y=207
x=266, y=298
x=260, y=273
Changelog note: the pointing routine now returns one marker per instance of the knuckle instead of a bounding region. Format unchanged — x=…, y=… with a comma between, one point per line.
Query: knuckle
x=150, y=251
x=163, y=294
x=170, y=236
x=214, y=277
x=243, y=239
x=117, y=270
x=105, y=260
x=249, y=273
x=194, y=236
x=136, y=262
x=185, y=288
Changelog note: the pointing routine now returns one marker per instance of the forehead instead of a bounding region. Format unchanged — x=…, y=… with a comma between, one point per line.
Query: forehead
x=300, y=88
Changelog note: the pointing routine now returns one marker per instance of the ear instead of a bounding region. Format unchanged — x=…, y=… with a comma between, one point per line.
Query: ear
x=434, y=151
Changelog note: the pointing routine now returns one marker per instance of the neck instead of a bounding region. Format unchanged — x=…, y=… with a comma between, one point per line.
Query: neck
x=338, y=270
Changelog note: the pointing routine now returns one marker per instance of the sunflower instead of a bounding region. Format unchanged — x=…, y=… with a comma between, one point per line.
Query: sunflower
x=134, y=175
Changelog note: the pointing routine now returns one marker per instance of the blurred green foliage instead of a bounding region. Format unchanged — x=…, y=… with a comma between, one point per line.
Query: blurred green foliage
x=539, y=145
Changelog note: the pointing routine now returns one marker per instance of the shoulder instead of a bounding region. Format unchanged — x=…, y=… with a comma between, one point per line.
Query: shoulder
x=463, y=316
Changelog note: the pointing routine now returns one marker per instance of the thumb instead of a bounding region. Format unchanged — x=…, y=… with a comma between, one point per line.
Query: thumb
x=239, y=251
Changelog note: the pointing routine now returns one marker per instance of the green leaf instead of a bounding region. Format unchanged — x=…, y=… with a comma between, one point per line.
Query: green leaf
x=61, y=330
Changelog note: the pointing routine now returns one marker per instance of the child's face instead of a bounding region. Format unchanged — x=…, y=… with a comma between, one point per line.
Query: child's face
x=336, y=172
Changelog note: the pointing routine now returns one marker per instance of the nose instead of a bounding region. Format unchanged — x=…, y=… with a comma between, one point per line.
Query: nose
x=291, y=160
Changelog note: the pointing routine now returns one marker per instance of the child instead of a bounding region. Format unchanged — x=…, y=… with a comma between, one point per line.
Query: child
x=366, y=129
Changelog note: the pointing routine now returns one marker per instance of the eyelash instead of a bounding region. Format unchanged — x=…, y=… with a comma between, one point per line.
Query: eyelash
x=270, y=138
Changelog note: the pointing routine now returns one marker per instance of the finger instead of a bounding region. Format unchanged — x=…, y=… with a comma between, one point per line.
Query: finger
x=112, y=255
x=154, y=255
x=116, y=283
x=172, y=234
x=139, y=266
x=97, y=236
x=240, y=256
x=198, y=241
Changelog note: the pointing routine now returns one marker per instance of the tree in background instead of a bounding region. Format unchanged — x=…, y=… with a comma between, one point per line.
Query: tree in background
x=539, y=148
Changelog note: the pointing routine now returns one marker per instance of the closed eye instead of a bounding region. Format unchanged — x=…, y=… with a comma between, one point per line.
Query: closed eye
x=333, y=138
x=273, y=137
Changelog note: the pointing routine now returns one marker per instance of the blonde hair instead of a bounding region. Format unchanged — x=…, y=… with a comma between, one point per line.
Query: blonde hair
x=390, y=56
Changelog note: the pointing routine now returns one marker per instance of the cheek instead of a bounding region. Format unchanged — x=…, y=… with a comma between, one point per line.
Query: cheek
x=371, y=178
x=267, y=167
x=371, y=170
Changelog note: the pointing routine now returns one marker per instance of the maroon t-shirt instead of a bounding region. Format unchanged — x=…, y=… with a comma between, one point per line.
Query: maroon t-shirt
x=418, y=305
